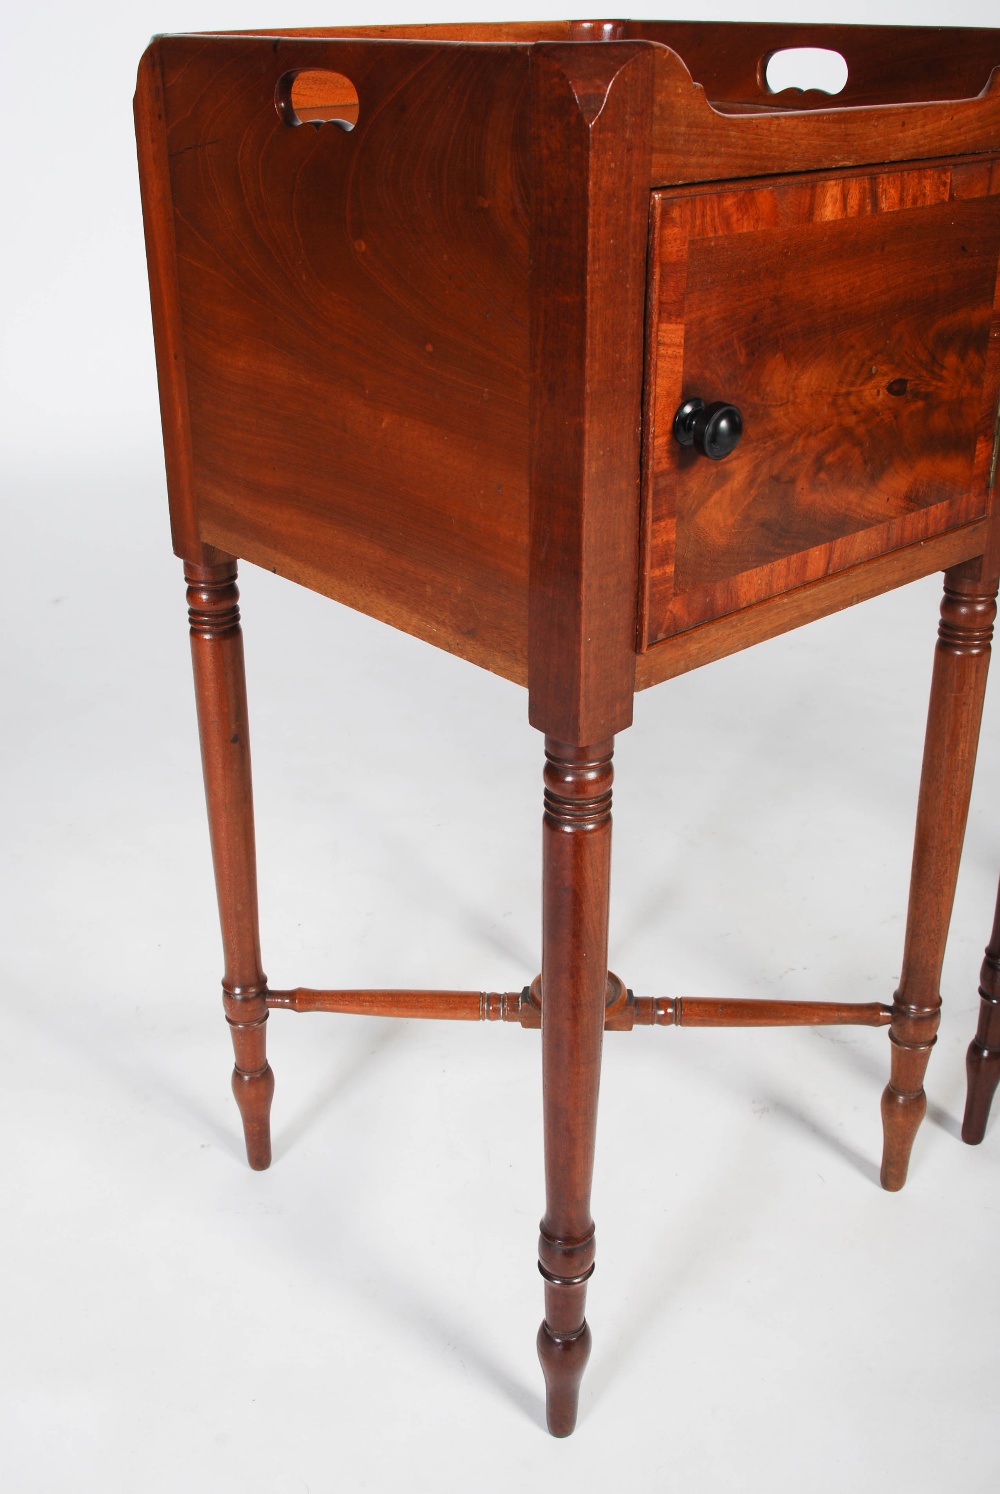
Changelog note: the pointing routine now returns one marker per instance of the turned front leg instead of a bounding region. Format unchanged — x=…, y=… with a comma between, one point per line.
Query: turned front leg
x=982, y=1062
x=220, y=692
x=958, y=684
x=576, y=866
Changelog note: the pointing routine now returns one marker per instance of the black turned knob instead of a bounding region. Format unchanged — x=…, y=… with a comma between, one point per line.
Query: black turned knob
x=714, y=429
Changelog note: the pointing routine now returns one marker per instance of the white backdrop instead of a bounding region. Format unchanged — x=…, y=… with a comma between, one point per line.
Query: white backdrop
x=363, y=1315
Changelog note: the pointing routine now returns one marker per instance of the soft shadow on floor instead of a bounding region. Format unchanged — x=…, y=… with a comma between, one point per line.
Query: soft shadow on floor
x=861, y=1163
x=944, y=1121
x=408, y=1302
x=341, y=1079
x=692, y=1245
x=428, y=1321
x=114, y=1055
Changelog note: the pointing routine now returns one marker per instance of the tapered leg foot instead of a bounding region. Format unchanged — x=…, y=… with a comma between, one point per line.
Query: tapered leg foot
x=563, y=1359
x=902, y=1112
x=982, y=1064
x=983, y=1069
x=253, y=1091
x=253, y=1094
x=961, y=662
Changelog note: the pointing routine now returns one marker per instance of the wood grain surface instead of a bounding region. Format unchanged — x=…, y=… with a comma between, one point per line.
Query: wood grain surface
x=793, y=609
x=886, y=64
x=849, y=318
x=356, y=417
x=692, y=141
x=590, y=209
x=354, y=321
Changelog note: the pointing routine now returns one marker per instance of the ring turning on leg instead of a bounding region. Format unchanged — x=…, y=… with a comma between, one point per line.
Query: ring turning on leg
x=576, y=865
x=220, y=692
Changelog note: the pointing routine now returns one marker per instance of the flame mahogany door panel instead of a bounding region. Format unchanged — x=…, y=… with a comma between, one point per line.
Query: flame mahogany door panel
x=854, y=320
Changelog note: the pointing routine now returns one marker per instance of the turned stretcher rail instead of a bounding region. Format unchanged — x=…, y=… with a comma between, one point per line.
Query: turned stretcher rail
x=623, y=1011
x=712, y=1011
x=455, y=1006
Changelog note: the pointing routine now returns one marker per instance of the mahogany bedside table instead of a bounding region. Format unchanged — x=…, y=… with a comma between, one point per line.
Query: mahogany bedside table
x=573, y=350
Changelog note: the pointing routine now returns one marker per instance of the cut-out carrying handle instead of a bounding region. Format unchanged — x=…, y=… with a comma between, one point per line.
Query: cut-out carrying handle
x=317, y=96
x=803, y=70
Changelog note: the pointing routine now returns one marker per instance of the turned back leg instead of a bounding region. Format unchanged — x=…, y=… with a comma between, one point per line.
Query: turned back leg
x=958, y=685
x=220, y=692
x=982, y=1062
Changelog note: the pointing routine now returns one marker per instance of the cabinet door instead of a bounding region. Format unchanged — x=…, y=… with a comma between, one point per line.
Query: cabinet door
x=854, y=321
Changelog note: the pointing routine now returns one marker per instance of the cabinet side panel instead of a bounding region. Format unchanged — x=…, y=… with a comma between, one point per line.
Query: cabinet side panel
x=157, y=217
x=354, y=306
